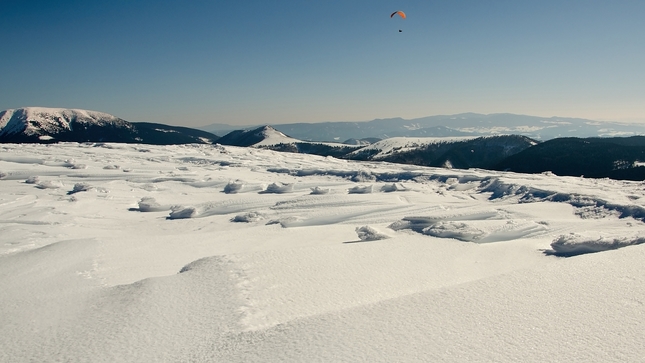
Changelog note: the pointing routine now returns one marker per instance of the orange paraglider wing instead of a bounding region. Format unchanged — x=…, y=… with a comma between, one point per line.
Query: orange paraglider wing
x=399, y=13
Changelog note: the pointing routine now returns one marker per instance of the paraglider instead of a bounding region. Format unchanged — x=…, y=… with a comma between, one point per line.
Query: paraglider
x=399, y=13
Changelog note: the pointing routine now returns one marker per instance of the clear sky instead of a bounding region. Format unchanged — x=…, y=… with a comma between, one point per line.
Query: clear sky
x=245, y=62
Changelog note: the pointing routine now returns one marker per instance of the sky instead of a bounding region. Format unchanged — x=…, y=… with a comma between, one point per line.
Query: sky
x=194, y=63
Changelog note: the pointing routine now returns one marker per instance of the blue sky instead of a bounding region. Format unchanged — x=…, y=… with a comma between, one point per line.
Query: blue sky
x=199, y=62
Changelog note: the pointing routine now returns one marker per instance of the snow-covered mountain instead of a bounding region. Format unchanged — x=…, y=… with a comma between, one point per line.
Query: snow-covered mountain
x=613, y=157
x=45, y=123
x=386, y=147
x=40, y=124
x=460, y=152
x=261, y=136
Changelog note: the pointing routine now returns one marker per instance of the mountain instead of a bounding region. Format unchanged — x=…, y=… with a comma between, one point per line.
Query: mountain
x=265, y=135
x=160, y=134
x=616, y=158
x=460, y=152
x=47, y=125
x=466, y=124
x=457, y=152
x=596, y=157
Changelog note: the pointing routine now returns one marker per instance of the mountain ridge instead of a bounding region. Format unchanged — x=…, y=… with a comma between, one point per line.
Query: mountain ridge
x=615, y=157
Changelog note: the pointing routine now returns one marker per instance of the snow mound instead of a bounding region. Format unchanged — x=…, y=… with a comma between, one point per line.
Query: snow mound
x=367, y=233
x=80, y=187
x=29, y=180
x=319, y=191
x=278, y=188
x=49, y=184
x=180, y=212
x=576, y=244
x=148, y=204
x=360, y=189
x=233, y=187
x=247, y=217
x=454, y=229
x=393, y=188
x=480, y=227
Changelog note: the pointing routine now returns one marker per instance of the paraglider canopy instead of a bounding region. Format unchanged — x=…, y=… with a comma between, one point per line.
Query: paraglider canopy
x=399, y=13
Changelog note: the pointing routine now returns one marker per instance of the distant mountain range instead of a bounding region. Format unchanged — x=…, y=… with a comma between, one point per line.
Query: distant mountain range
x=466, y=124
x=471, y=141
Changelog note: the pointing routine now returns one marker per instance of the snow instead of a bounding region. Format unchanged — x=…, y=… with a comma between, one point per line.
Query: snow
x=206, y=253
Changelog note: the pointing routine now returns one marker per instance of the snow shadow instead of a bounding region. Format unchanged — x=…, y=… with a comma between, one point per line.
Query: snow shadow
x=209, y=162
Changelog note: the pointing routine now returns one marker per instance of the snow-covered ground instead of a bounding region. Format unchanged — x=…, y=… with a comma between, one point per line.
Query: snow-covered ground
x=138, y=253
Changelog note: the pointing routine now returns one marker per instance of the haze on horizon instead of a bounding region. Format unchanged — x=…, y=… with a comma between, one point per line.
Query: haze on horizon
x=242, y=63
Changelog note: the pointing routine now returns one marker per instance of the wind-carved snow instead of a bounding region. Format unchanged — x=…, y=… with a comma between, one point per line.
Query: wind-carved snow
x=233, y=187
x=203, y=253
x=577, y=244
x=367, y=233
x=481, y=227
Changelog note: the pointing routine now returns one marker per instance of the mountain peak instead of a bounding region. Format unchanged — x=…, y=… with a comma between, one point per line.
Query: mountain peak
x=261, y=136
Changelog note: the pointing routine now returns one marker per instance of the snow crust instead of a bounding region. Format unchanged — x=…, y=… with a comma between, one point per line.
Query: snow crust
x=206, y=253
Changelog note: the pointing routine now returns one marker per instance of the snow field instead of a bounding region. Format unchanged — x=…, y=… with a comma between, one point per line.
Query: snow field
x=210, y=253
